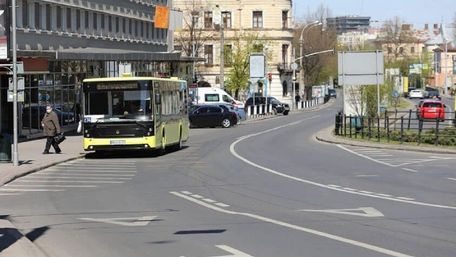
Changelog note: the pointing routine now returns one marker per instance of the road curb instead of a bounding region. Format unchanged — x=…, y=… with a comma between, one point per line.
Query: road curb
x=15, y=176
x=325, y=135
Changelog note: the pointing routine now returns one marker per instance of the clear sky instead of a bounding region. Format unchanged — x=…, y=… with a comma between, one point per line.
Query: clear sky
x=417, y=12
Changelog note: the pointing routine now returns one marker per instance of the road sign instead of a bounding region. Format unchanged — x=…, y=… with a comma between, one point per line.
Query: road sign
x=294, y=66
x=20, y=96
x=361, y=68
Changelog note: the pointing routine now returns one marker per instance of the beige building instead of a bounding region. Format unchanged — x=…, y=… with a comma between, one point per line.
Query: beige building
x=270, y=20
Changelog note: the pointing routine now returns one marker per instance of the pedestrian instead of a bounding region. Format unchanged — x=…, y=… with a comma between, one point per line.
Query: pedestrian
x=297, y=99
x=51, y=128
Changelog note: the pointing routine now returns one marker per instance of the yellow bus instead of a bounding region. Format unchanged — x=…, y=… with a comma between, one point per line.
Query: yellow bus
x=138, y=113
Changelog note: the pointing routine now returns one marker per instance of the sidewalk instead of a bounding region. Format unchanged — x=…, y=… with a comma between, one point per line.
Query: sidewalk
x=326, y=135
x=31, y=158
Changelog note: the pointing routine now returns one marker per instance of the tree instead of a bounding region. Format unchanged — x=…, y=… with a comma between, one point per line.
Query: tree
x=317, y=69
x=244, y=44
x=192, y=37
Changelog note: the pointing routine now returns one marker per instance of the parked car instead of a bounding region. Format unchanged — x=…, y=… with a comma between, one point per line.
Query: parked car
x=277, y=106
x=332, y=93
x=416, y=93
x=212, y=116
x=430, y=109
x=432, y=92
x=233, y=108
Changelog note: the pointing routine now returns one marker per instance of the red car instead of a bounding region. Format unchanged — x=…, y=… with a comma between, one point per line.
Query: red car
x=431, y=109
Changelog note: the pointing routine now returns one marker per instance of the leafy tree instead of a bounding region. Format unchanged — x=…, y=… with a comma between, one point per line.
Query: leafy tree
x=243, y=45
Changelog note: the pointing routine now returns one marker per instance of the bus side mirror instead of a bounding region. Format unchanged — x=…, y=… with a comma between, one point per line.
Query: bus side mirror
x=157, y=99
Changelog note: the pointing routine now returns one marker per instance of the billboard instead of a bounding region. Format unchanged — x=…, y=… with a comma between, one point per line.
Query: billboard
x=257, y=65
x=361, y=68
x=3, y=29
x=161, y=17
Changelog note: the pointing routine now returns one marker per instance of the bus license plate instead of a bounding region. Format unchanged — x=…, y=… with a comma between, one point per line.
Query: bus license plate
x=117, y=142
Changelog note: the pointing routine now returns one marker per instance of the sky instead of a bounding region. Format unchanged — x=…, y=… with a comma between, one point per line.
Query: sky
x=417, y=12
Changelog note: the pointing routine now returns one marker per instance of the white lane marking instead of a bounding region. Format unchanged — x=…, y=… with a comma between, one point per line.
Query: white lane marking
x=368, y=212
x=406, y=198
x=76, y=177
x=8, y=194
x=411, y=170
x=186, y=192
x=365, y=176
x=197, y=196
x=30, y=190
x=349, y=189
x=49, y=174
x=365, y=156
x=90, y=171
x=366, y=192
x=66, y=181
x=277, y=173
x=385, y=195
x=50, y=185
x=128, y=222
x=295, y=227
x=233, y=252
x=222, y=205
x=209, y=200
x=334, y=186
x=452, y=179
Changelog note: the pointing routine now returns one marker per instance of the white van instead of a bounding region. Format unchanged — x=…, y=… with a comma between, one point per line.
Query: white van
x=212, y=95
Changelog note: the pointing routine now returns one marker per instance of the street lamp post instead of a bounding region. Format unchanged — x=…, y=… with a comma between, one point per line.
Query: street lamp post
x=15, y=111
x=194, y=14
x=222, y=50
x=301, y=49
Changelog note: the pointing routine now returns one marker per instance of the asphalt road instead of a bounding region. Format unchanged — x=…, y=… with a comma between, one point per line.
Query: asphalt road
x=264, y=189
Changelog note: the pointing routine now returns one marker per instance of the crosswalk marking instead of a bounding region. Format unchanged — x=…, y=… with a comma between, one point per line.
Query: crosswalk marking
x=48, y=185
x=30, y=190
x=46, y=174
x=75, y=177
x=67, y=181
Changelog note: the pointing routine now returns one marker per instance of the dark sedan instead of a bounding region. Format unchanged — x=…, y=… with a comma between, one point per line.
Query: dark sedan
x=212, y=116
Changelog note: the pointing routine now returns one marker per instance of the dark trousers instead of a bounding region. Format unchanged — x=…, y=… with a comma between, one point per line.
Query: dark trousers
x=50, y=141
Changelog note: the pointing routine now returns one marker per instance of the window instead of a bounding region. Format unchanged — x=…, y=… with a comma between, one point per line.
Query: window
x=102, y=21
x=147, y=29
x=214, y=110
x=86, y=19
x=227, y=99
x=228, y=54
x=285, y=53
x=284, y=19
x=68, y=19
x=207, y=20
x=109, y=24
x=130, y=26
x=25, y=14
x=136, y=29
x=257, y=19
x=226, y=18
x=209, y=54
x=78, y=20
x=142, y=29
x=412, y=50
x=211, y=98
x=117, y=25
x=95, y=21
x=401, y=50
x=59, y=18
x=124, y=26
x=258, y=48
x=37, y=16
x=48, y=17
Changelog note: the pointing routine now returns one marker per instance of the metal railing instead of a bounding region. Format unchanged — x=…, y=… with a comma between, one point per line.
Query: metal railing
x=399, y=126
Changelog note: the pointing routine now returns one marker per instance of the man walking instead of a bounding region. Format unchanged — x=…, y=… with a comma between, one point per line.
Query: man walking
x=51, y=128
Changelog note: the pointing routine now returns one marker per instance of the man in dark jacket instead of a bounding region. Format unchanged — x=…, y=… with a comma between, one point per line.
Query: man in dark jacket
x=51, y=128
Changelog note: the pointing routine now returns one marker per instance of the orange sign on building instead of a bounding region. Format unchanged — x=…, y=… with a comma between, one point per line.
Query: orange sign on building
x=161, y=17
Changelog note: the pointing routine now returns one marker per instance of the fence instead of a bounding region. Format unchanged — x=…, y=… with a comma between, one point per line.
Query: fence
x=262, y=109
x=399, y=126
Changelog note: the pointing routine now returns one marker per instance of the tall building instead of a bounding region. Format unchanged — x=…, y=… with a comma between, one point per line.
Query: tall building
x=343, y=24
x=62, y=42
x=269, y=19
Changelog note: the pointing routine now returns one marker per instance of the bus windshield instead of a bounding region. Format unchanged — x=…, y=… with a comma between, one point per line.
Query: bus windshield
x=130, y=104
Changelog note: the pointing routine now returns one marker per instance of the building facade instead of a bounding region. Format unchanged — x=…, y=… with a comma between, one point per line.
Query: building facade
x=61, y=42
x=270, y=20
x=343, y=24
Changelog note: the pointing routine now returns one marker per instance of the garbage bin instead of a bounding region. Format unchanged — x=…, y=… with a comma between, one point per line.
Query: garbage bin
x=5, y=148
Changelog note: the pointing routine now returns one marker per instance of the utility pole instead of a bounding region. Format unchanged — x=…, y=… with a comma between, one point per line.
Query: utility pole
x=222, y=50
x=15, y=111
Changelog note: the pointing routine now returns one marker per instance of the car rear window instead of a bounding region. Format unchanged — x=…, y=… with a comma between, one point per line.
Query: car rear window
x=432, y=105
